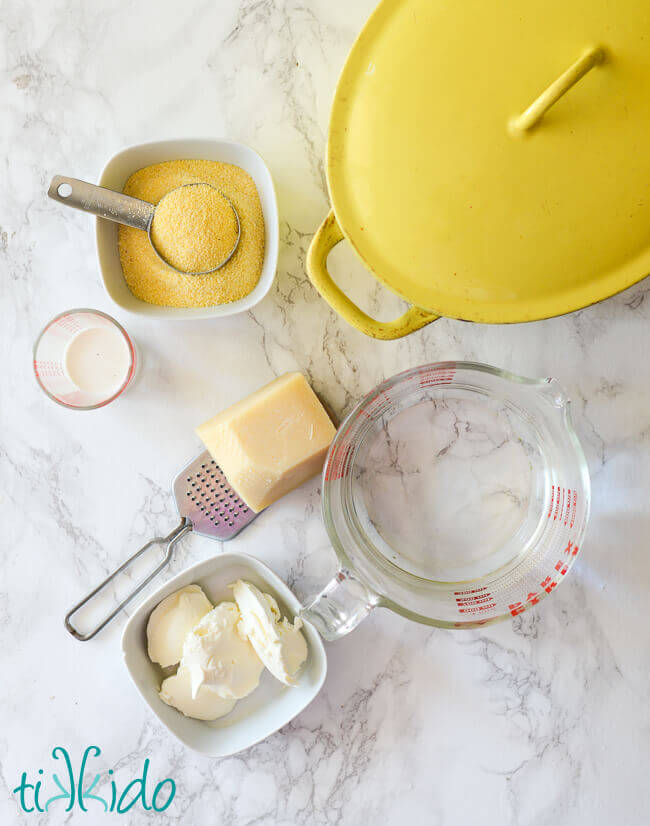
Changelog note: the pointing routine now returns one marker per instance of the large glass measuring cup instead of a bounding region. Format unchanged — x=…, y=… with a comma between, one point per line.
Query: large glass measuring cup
x=455, y=494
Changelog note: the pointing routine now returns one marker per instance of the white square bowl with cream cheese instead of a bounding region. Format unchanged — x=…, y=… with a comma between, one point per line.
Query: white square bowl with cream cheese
x=119, y=169
x=268, y=708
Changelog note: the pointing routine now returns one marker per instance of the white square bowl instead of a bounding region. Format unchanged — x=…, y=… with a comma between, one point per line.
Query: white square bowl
x=272, y=704
x=116, y=173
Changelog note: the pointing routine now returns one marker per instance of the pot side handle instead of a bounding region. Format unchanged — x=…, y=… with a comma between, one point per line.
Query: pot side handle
x=340, y=606
x=329, y=234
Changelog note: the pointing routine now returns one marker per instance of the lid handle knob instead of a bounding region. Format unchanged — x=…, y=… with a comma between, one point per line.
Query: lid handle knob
x=524, y=122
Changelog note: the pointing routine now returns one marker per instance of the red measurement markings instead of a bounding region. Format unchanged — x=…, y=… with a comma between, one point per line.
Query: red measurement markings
x=519, y=607
x=561, y=567
x=336, y=463
x=547, y=584
x=67, y=323
x=476, y=609
x=558, y=492
x=563, y=505
x=516, y=608
x=436, y=376
x=533, y=597
x=375, y=406
x=48, y=369
x=550, y=507
x=572, y=511
x=571, y=549
x=567, y=506
x=474, y=600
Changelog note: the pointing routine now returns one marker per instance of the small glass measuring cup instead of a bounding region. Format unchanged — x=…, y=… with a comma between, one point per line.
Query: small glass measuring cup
x=455, y=494
x=50, y=354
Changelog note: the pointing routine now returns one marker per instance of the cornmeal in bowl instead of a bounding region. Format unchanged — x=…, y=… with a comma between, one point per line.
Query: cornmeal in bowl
x=183, y=236
x=194, y=228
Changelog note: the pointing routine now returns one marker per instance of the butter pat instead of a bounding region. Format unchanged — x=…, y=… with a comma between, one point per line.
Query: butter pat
x=171, y=621
x=218, y=655
x=272, y=441
x=279, y=644
x=176, y=691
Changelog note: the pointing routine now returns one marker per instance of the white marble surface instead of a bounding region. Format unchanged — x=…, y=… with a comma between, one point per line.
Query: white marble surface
x=542, y=720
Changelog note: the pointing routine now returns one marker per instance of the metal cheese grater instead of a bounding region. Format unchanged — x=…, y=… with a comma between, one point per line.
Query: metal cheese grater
x=206, y=503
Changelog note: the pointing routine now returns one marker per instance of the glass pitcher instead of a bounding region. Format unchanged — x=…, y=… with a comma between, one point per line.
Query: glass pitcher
x=455, y=494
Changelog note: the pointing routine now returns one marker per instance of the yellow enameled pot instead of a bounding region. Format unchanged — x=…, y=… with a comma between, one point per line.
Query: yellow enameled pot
x=488, y=161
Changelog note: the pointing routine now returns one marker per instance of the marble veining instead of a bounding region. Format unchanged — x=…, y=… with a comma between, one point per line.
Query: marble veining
x=542, y=720
x=444, y=486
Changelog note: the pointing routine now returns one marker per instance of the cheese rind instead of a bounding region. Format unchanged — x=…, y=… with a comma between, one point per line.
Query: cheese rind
x=270, y=442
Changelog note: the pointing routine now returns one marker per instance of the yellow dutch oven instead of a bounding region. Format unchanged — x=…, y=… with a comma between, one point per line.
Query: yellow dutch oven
x=489, y=161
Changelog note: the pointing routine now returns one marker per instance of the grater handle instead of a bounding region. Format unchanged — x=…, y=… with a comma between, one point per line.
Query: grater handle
x=184, y=527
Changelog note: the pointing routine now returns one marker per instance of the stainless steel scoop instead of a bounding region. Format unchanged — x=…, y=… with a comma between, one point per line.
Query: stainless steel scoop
x=207, y=504
x=123, y=209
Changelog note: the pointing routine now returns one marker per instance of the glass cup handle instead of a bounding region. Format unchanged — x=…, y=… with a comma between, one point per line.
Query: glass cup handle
x=340, y=606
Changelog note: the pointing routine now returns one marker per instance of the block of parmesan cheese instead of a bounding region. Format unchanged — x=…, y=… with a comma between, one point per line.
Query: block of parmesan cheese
x=270, y=442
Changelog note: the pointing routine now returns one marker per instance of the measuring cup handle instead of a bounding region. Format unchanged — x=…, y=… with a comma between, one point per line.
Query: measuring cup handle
x=106, y=203
x=340, y=606
x=169, y=541
x=329, y=234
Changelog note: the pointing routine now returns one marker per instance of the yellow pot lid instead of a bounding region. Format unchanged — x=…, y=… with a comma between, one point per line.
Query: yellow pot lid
x=459, y=187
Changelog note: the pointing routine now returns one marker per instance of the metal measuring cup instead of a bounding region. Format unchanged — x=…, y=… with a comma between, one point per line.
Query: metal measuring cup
x=124, y=209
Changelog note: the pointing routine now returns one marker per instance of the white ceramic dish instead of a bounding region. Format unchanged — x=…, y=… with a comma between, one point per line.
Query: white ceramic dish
x=125, y=163
x=271, y=706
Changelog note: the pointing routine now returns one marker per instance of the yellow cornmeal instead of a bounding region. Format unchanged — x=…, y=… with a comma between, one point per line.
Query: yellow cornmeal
x=194, y=228
x=146, y=275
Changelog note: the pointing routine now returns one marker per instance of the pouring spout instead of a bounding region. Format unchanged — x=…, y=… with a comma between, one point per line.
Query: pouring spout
x=553, y=392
